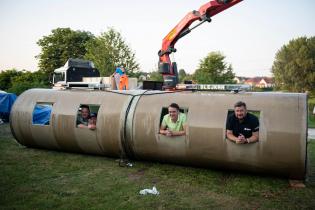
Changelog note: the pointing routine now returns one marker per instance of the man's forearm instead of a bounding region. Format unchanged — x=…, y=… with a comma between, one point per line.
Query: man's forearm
x=162, y=131
x=82, y=126
x=231, y=137
x=178, y=133
x=252, y=139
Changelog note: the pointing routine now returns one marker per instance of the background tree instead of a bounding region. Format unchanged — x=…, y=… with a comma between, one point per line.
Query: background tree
x=294, y=65
x=15, y=81
x=6, y=78
x=108, y=51
x=59, y=46
x=181, y=74
x=156, y=76
x=188, y=77
x=27, y=80
x=214, y=70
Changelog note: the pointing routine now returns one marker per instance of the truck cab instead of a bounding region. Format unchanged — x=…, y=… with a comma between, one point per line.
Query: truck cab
x=72, y=73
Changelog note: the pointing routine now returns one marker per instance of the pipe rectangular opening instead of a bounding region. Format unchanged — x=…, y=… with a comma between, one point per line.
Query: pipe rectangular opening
x=42, y=113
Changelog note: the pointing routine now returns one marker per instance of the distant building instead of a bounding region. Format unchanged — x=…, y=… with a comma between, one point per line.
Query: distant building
x=266, y=82
x=240, y=80
x=260, y=82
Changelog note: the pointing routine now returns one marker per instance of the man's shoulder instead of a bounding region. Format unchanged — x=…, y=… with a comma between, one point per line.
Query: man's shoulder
x=166, y=117
x=80, y=119
x=231, y=116
x=252, y=119
x=231, y=121
x=252, y=116
x=182, y=116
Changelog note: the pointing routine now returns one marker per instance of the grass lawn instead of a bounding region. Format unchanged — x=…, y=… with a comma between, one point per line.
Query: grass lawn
x=311, y=121
x=41, y=179
x=311, y=117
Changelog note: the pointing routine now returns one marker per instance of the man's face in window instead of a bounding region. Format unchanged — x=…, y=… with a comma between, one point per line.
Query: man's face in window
x=92, y=121
x=173, y=112
x=85, y=113
x=240, y=112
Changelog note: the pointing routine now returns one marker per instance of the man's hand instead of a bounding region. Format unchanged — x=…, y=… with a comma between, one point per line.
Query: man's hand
x=82, y=126
x=92, y=127
x=241, y=139
x=168, y=133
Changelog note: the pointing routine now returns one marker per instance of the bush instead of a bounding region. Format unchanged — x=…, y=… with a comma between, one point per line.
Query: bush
x=20, y=87
x=311, y=116
x=257, y=89
x=311, y=103
x=7, y=77
x=15, y=81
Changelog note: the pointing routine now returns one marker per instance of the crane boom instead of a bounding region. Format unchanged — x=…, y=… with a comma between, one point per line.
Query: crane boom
x=169, y=69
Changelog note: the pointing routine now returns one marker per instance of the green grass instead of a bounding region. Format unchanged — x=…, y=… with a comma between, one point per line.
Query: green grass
x=311, y=117
x=42, y=179
x=311, y=121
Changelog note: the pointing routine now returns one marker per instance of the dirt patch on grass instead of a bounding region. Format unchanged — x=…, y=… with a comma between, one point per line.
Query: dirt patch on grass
x=137, y=175
x=5, y=131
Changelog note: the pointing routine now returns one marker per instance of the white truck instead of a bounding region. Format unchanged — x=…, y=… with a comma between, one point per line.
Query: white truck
x=72, y=73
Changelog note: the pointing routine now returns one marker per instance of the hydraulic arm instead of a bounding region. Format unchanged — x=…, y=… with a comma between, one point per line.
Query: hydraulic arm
x=168, y=68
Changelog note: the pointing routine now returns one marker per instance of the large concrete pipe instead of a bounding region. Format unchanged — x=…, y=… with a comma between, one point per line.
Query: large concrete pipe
x=128, y=123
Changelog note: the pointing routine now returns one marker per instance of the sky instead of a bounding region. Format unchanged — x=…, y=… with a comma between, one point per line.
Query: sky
x=249, y=34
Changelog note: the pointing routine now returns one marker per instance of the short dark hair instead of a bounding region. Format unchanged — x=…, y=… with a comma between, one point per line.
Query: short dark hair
x=85, y=106
x=240, y=104
x=93, y=114
x=174, y=105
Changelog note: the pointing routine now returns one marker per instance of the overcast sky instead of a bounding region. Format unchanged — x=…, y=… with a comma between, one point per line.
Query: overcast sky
x=248, y=34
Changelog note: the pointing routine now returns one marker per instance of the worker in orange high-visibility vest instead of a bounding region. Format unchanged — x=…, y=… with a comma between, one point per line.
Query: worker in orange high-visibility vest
x=123, y=84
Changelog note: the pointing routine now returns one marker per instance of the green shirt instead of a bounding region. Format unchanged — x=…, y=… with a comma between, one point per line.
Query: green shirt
x=178, y=125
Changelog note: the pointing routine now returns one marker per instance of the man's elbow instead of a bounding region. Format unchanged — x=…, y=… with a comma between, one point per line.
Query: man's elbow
x=230, y=136
x=182, y=133
x=162, y=131
x=257, y=137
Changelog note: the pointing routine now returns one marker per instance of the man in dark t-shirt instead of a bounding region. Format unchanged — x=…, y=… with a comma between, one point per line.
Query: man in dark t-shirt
x=242, y=127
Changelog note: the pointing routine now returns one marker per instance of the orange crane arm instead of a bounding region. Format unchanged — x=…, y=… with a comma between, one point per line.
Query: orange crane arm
x=204, y=14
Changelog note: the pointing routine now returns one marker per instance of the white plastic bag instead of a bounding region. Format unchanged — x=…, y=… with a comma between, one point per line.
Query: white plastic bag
x=152, y=191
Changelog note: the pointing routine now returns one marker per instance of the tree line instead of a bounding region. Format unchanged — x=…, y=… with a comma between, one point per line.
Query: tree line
x=293, y=67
